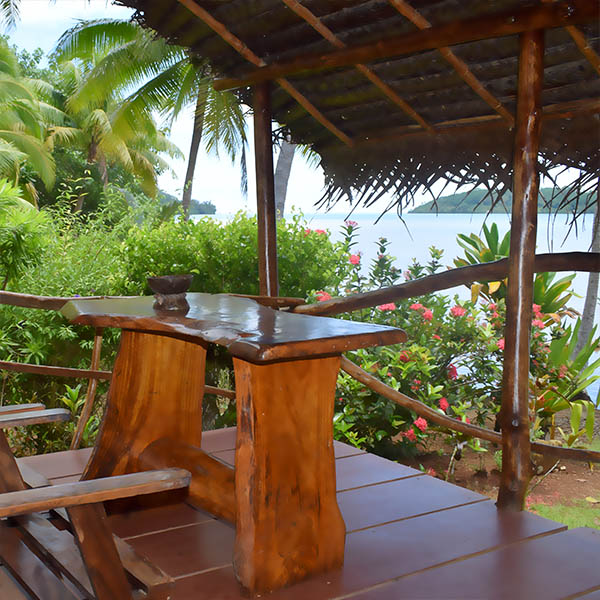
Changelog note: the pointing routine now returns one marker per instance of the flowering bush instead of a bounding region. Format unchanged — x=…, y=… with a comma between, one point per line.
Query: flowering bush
x=452, y=360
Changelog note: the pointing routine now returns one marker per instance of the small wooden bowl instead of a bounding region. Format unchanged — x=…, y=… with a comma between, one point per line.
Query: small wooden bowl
x=169, y=292
x=170, y=284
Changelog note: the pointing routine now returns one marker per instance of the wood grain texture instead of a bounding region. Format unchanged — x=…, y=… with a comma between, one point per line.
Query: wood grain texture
x=288, y=522
x=514, y=412
x=17, y=408
x=558, y=14
x=99, y=553
x=247, y=329
x=87, y=492
x=156, y=392
x=212, y=485
x=50, y=371
x=34, y=417
x=492, y=271
x=265, y=192
x=57, y=549
x=10, y=476
x=31, y=573
x=9, y=589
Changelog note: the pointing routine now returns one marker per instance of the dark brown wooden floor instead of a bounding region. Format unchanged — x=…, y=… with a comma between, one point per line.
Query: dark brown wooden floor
x=409, y=536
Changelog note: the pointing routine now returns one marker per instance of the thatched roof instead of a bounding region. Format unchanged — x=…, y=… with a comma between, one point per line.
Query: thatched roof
x=411, y=118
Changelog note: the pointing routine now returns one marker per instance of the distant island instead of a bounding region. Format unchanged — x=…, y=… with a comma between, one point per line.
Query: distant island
x=467, y=203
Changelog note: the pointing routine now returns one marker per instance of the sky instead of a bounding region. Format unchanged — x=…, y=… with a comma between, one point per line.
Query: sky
x=216, y=179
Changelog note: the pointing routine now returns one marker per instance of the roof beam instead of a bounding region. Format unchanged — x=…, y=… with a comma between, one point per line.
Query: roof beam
x=552, y=112
x=241, y=48
x=388, y=91
x=544, y=16
x=584, y=47
x=406, y=10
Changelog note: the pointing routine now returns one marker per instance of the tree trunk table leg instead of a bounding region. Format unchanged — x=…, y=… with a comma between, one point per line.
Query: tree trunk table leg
x=155, y=392
x=288, y=522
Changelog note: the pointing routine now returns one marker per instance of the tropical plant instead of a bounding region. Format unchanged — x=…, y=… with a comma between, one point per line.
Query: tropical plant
x=25, y=119
x=550, y=294
x=151, y=75
x=23, y=230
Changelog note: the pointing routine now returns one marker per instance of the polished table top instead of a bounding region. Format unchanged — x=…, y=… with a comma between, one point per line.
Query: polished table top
x=249, y=330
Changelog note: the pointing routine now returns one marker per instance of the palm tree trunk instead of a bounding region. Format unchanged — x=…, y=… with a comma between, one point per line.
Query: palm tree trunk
x=591, y=296
x=282, y=175
x=186, y=199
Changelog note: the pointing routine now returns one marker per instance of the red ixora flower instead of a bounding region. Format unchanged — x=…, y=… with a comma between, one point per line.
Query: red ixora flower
x=307, y=231
x=458, y=311
x=321, y=231
x=351, y=223
x=427, y=315
x=537, y=310
x=410, y=435
x=354, y=259
x=416, y=306
x=435, y=336
x=443, y=404
x=538, y=323
x=323, y=296
x=492, y=306
x=388, y=306
x=431, y=472
x=452, y=372
x=421, y=424
x=404, y=356
x=500, y=344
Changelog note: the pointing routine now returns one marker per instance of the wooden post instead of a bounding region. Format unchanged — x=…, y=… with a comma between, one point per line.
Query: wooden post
x=515, y=382
x=265, y=192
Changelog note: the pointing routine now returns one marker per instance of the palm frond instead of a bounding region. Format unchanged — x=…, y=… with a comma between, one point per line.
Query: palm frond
x=36, y=154
x=9, y=13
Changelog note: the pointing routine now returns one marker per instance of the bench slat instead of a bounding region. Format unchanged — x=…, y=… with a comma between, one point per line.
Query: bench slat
x=17, y=408
x=34, y=417
x=88, y=492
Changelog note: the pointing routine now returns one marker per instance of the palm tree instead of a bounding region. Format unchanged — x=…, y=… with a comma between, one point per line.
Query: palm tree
x=25, y=121
x=99, y=122
x=154, y=77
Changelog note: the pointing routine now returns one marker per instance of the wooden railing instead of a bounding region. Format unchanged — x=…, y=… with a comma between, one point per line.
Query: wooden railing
x=571, y=261
x=93, y=374
x=493, y=271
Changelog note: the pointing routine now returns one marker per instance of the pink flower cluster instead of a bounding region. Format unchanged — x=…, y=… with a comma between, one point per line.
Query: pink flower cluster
x=427, y=314
x=354, y=259
x=452, y=372
x=323, y=296
x=443, y=404
x=351, y=223
x=388, y=306
x=500, y=344
x=458, y=311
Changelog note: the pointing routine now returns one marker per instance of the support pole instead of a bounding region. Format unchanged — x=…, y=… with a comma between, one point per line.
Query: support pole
x=265, y=192
x=516, y=464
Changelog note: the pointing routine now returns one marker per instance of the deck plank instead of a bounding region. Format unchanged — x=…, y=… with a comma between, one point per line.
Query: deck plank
x=402, y=525
x=552, y=568
x=58, y=464
x=383, y=553
x=402, y=499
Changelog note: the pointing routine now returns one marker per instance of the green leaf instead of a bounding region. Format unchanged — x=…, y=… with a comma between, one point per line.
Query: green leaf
x=576, y=410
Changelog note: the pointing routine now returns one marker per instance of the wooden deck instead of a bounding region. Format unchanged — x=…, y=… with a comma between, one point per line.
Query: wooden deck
x=408, y=536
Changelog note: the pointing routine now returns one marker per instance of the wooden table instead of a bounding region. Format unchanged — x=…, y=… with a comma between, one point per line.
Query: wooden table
x=281, y=495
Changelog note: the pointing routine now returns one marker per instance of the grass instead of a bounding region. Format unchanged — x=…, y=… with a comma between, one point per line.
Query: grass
x=583, y=514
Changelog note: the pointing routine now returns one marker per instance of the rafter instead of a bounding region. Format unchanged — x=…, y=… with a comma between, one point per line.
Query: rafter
x=552, y=112
x=544, y=16
x=406, y=10
x=586, y=49
x=388, y=91
x=237, y=44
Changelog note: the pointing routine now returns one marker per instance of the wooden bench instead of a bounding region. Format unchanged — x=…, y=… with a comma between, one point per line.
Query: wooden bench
x=98, y=572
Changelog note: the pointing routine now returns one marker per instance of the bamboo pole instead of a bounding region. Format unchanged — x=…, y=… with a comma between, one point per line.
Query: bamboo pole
x=265, y=191
x=516, y=467
x=91, y=392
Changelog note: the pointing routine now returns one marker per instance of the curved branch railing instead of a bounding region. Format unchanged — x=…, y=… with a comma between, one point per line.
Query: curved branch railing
x=492, y=271
x=445, y=421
